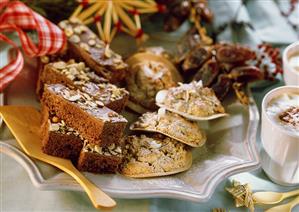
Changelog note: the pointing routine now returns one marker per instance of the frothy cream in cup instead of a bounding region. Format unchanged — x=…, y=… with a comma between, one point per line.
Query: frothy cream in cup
x=284, y=111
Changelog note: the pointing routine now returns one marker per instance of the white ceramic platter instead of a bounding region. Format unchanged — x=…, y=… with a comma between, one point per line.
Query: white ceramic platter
x=230, y=149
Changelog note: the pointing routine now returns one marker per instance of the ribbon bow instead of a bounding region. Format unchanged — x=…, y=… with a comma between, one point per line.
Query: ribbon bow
x=16, y=16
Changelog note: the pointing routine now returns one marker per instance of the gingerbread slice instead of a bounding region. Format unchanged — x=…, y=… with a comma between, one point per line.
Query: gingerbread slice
x=85, y=45
x=96, y=159
x=58, y=139
x=63, y=141
x=80, y=76
x=95, y=122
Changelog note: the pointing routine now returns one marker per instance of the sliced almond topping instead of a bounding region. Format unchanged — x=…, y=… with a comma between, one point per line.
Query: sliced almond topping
x=74, y=39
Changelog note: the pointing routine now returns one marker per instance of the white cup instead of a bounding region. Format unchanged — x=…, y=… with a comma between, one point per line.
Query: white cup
x=280, y=159
x=291, y=75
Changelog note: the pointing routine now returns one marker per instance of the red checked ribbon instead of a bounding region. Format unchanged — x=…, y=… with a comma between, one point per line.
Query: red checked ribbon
x=17, y=17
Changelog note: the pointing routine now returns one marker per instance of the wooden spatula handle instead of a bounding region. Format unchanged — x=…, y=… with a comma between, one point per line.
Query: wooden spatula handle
x=98, y=198
x=24, y=123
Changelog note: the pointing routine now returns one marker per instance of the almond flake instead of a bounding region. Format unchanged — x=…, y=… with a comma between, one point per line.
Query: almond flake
x=75, y=39
x=91, y=42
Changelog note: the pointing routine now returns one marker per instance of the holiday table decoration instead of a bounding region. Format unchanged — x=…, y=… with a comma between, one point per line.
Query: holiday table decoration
x=116, y=15
x=17, y=17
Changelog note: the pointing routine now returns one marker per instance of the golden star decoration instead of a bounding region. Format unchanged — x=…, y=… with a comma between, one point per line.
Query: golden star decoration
x=112, y=16
x=242, y=195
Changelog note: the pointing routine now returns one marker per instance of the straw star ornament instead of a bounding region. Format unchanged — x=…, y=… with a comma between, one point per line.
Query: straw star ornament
x=112, y=16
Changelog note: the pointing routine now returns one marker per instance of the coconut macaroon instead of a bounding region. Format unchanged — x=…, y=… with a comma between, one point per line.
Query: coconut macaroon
x=148, y=74
x=171, y=125
x=155, y=155
x=192, y=101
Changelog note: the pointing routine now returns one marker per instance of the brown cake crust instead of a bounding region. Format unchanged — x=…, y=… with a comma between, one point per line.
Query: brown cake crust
x=99, y=125
x=83, y=44
x=97, y=163
x=63, y=146
x=41, y=63
x=58, y=144
x=119, y=104
x=50, y=76
x=92, y=60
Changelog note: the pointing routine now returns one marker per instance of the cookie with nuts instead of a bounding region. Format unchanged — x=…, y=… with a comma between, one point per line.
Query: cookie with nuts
x=192, y=101
x=171, y=125
x=154, y=155
x=148, y=73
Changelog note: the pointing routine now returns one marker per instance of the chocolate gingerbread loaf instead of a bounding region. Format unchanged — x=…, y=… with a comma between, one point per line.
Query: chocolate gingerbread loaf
x=58, y=139
x=85, y=45
x=95, y=122
x=96, y=159
x=81, y=77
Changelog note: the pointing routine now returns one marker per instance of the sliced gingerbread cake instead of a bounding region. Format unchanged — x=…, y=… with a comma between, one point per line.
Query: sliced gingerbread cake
x=96, y=159
x=85, y=45
x=58, y=139
x=79, y=76
x=95, y=122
